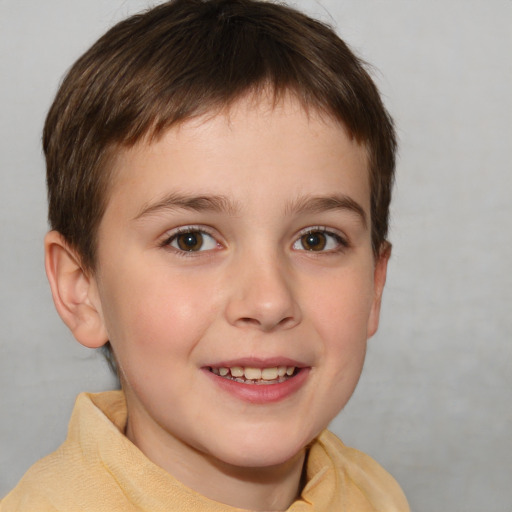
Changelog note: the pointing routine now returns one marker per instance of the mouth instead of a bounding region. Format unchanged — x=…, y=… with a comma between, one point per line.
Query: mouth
x=256, y=376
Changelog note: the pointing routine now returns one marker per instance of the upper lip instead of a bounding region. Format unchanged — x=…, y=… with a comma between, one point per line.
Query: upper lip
x=256, y=362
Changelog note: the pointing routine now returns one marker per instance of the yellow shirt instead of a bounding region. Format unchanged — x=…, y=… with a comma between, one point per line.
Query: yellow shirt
x=98, y=469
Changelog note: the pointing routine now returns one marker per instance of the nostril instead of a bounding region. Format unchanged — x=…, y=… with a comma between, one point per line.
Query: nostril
x=266, y=325
x=249, y=320
x=285, y=321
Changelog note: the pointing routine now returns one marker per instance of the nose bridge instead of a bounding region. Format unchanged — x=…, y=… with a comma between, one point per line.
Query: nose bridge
x=262, y=293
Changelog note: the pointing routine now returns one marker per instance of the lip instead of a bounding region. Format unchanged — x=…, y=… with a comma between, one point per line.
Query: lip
x=255, y=362
x=260, y=394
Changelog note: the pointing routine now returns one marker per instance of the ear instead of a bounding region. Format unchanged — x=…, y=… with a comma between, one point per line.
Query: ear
x=379, y=280
x=74, y=291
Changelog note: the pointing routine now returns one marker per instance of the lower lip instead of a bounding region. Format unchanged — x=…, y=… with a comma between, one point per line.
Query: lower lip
x=261, y=393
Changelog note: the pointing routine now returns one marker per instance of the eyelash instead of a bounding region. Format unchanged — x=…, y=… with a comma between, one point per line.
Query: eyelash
x=340, y=241
x=167, y=242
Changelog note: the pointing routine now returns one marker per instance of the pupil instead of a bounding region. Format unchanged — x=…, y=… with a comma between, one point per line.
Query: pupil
x=314, y=241
x=190, y=241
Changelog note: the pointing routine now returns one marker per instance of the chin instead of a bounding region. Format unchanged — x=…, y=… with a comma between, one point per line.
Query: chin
x=261, y=449
x=260, y=460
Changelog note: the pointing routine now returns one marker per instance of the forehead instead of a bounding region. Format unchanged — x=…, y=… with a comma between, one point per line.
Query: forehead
x=255, y=138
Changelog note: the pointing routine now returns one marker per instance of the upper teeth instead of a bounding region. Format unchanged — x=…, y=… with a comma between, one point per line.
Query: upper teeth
x=250, y=373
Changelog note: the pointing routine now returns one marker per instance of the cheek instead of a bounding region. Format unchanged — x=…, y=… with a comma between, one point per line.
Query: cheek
x=154, y=316
x=341, y=316
x=341, y=307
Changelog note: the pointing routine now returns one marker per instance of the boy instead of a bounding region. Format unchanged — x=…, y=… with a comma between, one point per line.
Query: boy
x=219, y=177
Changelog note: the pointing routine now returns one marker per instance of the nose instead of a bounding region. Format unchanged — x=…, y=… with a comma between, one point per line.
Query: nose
x=262, y=295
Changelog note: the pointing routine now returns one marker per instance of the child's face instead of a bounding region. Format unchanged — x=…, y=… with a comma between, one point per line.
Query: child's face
x=240, y=240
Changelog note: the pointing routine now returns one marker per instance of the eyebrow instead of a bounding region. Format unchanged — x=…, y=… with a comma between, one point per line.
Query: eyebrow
x=176, y=201
x=222, y=204
x=319, y=204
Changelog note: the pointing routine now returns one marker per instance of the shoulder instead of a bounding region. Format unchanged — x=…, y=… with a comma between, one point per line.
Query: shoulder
x=33, y=492
x=66, y=479
x=63, y=481
x=365, y=474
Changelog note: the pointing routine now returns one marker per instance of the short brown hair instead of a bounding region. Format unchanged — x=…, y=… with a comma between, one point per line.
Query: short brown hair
x=187, y=57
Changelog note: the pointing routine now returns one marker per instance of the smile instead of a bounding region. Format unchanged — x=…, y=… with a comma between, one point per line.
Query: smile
x=258, y=376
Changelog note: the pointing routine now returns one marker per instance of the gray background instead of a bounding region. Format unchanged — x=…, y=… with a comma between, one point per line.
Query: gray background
x=434, y=405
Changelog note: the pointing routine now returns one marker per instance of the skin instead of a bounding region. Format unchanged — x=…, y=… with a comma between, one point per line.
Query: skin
x=254, y=290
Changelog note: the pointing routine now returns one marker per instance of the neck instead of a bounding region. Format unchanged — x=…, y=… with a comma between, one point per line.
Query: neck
x=270, y=488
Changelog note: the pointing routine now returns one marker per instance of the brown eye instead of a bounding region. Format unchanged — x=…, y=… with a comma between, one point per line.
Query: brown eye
x=320, y=240
x=314, y=241
x=192, y=241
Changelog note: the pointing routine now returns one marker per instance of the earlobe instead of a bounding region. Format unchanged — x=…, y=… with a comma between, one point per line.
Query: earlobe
x=379, y=280
x=74, y=292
